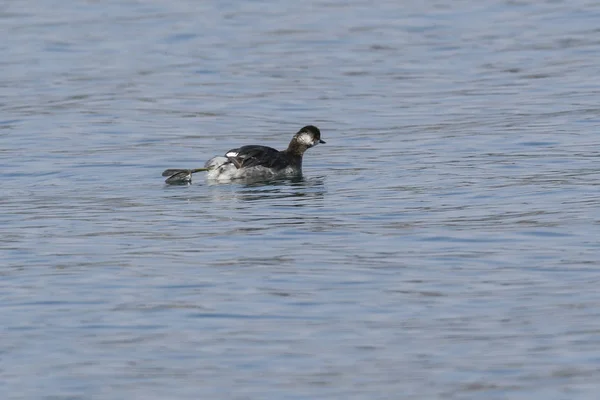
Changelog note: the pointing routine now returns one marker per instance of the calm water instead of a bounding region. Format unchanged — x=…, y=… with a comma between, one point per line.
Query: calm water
x=442, y=244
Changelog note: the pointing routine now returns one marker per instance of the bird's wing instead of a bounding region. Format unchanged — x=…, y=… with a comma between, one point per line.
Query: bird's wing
x=253, y=156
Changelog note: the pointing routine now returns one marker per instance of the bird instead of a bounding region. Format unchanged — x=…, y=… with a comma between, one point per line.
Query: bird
x=254, y=162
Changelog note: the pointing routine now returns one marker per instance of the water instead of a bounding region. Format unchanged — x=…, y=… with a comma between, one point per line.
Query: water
x=442, y=244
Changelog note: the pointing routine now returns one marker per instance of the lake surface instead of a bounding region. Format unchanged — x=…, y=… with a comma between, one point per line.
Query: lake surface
x=442, y=244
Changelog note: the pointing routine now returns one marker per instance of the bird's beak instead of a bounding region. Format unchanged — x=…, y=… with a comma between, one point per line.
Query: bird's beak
x=322, y=141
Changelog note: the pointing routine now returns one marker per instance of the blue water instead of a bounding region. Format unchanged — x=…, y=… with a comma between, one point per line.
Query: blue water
x=442, y=244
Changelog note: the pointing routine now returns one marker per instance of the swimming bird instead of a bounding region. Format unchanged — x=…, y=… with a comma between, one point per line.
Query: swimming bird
x=254, y=161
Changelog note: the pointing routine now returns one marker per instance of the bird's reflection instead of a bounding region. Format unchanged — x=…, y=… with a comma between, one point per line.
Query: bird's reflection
x=299, y=188
x=290, y=188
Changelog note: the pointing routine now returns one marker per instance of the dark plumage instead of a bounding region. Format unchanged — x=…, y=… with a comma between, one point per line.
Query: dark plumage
x=268, y=157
